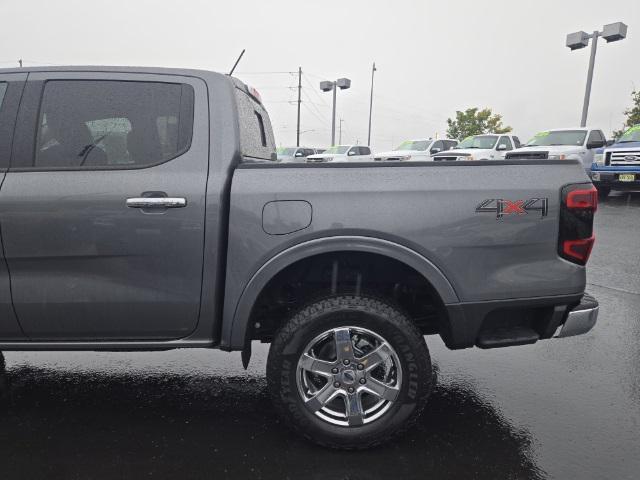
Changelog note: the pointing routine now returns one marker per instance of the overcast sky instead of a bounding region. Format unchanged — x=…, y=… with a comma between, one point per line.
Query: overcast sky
x=433, y=57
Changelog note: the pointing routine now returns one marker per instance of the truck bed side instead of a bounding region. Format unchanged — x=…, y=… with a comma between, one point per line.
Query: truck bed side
x=428, y=209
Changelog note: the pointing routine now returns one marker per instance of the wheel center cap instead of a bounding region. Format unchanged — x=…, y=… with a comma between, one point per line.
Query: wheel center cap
x=348, y=376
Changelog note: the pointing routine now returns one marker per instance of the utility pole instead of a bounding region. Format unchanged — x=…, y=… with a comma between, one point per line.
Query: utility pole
x=340, y=132
x=20, y=63
x=373, y=71
x=299, y=101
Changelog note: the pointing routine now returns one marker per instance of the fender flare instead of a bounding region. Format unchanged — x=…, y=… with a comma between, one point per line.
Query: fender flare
x=235, y=323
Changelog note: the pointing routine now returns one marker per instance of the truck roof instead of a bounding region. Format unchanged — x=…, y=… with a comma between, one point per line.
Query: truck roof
x=110, y=68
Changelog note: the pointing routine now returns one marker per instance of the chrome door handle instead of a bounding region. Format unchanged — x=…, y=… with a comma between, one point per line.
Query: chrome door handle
x=156, y=202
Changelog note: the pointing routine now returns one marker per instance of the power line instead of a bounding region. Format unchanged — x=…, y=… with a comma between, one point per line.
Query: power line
x=322, y=100
x=266, y=73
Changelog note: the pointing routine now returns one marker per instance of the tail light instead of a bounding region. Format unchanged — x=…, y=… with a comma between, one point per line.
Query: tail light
x=579, y=203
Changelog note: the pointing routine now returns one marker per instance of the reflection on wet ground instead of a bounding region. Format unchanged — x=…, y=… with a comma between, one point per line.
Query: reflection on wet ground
x=93, y=425
x=565, y=408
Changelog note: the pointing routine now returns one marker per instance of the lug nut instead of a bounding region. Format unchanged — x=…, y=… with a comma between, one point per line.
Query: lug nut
x=351, y=390
x=334, y=370
x=346, y=361
x=363, y=381
x=360, y=366
x=336, y=384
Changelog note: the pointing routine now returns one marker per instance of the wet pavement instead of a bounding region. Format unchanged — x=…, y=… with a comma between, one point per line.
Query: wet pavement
x=567, y=408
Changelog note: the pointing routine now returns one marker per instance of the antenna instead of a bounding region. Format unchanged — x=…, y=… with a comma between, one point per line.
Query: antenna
x=237, y=61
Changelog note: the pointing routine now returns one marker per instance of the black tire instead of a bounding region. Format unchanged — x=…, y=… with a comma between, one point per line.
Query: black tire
x=603, y=192
x=367, y=313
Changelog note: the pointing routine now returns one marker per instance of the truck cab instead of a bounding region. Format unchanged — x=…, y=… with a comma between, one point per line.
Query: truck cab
x=563, y=144
x=481, y=147
x=617, y=167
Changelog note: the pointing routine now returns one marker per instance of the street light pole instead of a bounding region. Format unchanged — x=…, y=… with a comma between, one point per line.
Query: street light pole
x=587, y=91
x=373, y=71
x=327, y=86
x=333, y=117
x=611, y=33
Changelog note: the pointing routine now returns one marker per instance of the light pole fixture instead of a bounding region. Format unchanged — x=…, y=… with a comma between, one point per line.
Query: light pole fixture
x=327, y=86
x=611, y=33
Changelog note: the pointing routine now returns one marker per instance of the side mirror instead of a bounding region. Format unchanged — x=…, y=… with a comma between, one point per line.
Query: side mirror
x=596, y=144
x=434, y=150
x=351, y=152
x=501, y=147
x=299, y=154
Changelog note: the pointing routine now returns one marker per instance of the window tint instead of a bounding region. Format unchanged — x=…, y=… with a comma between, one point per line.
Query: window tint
x=439, y=144
x=516, y=140
x=3, y=90
x=506, y=141
x=263, y=136
x=89, y=124
x=365, y=151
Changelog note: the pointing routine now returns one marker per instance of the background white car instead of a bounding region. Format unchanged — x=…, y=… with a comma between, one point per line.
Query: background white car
x=294, y=154
x=563, y=144
x=481, y=147
x=420, y=150
x=342, y=153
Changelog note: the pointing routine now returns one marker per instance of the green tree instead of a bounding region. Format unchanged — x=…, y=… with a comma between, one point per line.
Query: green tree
x=633, y=114
x=475, y=122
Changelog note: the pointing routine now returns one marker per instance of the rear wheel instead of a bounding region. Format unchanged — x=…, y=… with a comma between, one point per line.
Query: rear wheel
x=349, y=372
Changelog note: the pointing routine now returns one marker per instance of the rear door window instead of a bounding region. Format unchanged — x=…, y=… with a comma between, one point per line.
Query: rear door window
x=112, y=124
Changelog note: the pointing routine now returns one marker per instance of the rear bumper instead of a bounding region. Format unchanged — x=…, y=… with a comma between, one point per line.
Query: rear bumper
x=580, y=319
x=501, y=323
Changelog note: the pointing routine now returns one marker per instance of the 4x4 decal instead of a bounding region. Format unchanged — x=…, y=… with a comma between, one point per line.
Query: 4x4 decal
x=502, y=207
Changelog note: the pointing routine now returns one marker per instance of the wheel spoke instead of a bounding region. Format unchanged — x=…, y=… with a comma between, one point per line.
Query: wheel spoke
x=320, y=399
x=317, y=366
x=376, y=357
x=344, y=346
x=379, y=389
x=355, y=412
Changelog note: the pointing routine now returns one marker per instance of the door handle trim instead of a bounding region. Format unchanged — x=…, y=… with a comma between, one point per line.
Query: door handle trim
x=156, y=202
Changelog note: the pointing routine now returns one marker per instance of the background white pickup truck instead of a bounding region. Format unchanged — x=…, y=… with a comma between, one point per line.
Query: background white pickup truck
x=563, y=144
x=342, y=153
x=418, y=150
x=481, y=147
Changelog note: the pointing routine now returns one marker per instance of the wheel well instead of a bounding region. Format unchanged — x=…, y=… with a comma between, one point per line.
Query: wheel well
x=346, y=273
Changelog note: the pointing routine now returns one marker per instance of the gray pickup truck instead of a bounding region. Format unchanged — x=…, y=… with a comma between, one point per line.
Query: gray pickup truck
x=143, y=209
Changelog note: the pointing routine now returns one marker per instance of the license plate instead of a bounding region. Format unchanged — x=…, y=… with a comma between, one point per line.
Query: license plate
x=627, y=177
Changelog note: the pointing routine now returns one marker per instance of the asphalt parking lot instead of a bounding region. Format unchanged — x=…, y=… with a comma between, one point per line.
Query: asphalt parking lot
x=565, y=408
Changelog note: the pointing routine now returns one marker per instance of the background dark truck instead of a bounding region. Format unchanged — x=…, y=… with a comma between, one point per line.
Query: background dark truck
x=141, y=209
